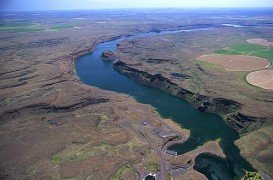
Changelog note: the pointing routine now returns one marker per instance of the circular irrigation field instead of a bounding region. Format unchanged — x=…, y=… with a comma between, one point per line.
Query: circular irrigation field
x=262, y=79
x=236, y=62
x=260, y=41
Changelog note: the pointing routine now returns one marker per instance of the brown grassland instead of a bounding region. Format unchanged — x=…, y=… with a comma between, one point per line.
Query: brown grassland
x=236, y=62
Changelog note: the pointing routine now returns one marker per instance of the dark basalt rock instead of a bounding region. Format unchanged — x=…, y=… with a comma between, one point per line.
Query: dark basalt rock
x=44, y=108
x=108, y=55
x=158, y=77
x=242, y=122
x=202, y=108
x=180, y=76
x=227, y=108
x=156, y=61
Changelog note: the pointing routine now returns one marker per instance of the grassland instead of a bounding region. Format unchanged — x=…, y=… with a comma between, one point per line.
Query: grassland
x=61, y=27
x=264, y=54
x=247, y=49
x=29, y=26
x=20, y=27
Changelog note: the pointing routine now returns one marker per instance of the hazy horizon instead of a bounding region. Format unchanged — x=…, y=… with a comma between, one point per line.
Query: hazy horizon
x=51, y=5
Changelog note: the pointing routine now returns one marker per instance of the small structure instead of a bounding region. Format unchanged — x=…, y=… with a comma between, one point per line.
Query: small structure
x=173, y=153
x=145, y=123
x=156, y=130
x=165, y=134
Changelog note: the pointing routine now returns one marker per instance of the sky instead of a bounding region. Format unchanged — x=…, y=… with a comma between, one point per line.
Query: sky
x=37, y=5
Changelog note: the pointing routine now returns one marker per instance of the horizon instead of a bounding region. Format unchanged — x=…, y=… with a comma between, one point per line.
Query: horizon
x=77, y=5
x=150, y=8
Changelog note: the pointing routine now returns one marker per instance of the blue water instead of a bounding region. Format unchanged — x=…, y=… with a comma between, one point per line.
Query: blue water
x=203, y=126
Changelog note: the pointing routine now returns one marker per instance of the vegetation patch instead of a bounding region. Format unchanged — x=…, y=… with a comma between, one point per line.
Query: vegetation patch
x=207, y=64
x=61, y=27
x=227, y=52
x=56, y=159
x=252, y=176
x=122, y=171
x=104, y=118
x=244, y=48
x=73, y=154
x=28, y=170
x=20, y=26
x=153, y=167
x=264, y=54
x=33, y=28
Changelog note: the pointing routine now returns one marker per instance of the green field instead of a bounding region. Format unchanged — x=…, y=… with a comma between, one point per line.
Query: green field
x=247, y=49
x=28, y=26
x=20, y=26
x=227, y=52
x=61, y=27
x=264, y=54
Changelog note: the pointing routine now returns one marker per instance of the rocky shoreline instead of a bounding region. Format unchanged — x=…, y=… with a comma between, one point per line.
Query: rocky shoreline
x=68, y=113
x=228, y=109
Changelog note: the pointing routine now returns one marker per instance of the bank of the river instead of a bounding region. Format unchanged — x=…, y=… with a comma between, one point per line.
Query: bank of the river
x=204, y=126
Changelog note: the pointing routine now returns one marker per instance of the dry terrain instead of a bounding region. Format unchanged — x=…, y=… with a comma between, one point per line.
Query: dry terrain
x=260, y=41
x=55, y=127
x=170, y=62
x=262, y=79
x=236, y=62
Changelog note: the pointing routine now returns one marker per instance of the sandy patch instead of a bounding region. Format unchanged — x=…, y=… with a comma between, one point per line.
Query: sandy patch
x=262, y=79
x=260, y=41
x=236, y=62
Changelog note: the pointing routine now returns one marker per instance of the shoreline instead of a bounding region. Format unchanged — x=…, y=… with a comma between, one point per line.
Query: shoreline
x=170, y=123
x=169, y=143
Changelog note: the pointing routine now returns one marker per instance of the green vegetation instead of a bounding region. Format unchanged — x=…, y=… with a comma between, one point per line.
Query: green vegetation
x=56, y=159
x=32, y=28
x=61, y=27
x=246, y=48
x=264, y=54
x=28, y=170
x=121, y=171
x=207, y=64
x=242, y=49
x=20, y=26
x=252, y=176
x=227, y=52
x=104, y=118
x=78, y=156
x=70, y=156
x=153, y=167
x=28, y=26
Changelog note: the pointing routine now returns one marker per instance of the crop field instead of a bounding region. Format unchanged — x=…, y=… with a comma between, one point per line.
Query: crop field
x=264, y=54
x=240, y=49
x=61, y=27
x=247, y=49
x=262, y=79
x=236, y=62
x=260, y=41
x=20, y=26
x=29, y=26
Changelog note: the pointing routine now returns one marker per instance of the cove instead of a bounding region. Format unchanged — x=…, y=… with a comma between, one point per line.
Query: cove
x=203, y=126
